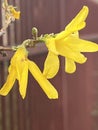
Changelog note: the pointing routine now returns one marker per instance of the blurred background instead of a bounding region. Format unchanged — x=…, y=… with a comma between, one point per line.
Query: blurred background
x=77, y=106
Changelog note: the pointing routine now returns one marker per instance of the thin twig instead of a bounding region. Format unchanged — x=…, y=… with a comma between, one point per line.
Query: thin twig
x=2, y=48
x=27, y=43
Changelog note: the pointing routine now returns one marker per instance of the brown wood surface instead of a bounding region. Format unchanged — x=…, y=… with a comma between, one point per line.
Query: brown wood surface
x=77, y=107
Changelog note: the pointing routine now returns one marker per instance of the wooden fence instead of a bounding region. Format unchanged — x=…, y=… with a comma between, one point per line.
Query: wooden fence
x=76, y=108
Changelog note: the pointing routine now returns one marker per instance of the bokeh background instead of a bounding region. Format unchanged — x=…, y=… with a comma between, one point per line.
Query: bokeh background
x=77, y=106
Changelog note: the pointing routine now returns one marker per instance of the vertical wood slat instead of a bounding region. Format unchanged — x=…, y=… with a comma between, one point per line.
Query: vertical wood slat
x=5, y=36
x=3, y=103
x=5, y=115
x=0, y=101
x=64, y=93
x=94, y=113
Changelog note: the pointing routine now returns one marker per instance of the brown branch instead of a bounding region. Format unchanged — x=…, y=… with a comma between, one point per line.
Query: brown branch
x=2, y=48
x=27, y=43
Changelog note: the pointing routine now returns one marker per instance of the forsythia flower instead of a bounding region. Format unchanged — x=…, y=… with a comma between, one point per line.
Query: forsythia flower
x=68, y=44
x=10, y=12
x=18, y=69
x=15, y=14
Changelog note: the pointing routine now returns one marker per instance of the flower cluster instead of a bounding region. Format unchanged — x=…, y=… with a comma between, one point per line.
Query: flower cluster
x=18, y=69
x=66, y=43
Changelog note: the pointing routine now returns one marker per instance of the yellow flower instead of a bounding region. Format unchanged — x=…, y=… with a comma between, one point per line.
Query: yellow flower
x=10, y=11
x=68, y=44
x=15, y=14
x=18, y=69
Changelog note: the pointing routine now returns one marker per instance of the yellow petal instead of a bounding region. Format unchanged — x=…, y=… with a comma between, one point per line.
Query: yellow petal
x=70, y=66
x=9, y=83
x=76, y=24
x=19, y=55
x=50, y=44
x=46, y=86
x=79, y=21
x=15, y=13
x=18, y=60
x=19, y=68
x=68, y=52
x=51, y=65
x=81, y=45
x=23, y=80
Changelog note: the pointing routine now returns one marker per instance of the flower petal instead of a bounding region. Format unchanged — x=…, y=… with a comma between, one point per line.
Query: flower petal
x=51, y=65
x=9, y=82
x=81, y=45
x=19, y=69
x=15, y=13
x=79, y=21
x=68, y=52
x=23, y=80
x=76, y=24
x=50, y=43
x=18, y=60
x=47, y=87
x=70, y=66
